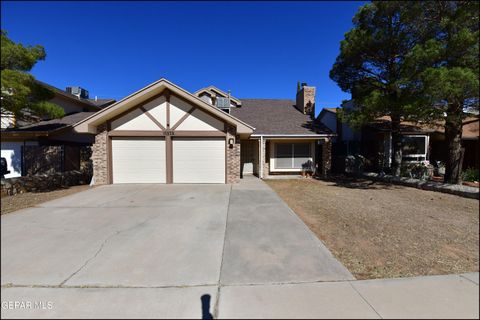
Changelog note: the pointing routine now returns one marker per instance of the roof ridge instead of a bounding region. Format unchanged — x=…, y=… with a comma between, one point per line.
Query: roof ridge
x=278, y=99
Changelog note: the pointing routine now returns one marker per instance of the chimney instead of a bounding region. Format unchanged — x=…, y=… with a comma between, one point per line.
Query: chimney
x=305, y=102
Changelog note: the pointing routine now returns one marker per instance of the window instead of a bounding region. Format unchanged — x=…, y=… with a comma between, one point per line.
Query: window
x=414, y=147
x=292, y=156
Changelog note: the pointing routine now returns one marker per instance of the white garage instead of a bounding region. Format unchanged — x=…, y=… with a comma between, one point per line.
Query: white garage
x=143, y=160
x=197, y=160
x=137, y=160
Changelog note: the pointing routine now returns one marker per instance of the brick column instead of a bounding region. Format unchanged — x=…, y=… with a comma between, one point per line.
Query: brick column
x=233, y=156
x=266, y=165
x=326, y=157
x=99, y=156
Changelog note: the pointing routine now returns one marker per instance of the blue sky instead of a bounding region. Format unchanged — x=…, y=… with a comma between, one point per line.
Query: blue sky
x=254, y=49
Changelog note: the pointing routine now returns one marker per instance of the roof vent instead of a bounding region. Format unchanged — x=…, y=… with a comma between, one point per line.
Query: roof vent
x=78, y=91
x=223, y=102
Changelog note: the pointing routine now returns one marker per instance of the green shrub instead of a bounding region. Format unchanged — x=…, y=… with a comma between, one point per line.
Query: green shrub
x=471, y=174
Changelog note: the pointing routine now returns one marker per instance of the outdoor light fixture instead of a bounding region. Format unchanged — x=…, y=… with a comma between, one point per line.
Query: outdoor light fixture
x=231, y=141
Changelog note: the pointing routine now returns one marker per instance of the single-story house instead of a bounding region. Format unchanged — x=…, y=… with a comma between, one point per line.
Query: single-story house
x=165, y=134
x=421, y=142
x=16, y=135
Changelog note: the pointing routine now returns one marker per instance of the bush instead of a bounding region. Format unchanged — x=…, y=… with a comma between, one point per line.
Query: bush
x=420, y=170
x=471, y=174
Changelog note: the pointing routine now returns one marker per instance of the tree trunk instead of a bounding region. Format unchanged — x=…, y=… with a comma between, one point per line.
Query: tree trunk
x=396, y=146
x=453, y=138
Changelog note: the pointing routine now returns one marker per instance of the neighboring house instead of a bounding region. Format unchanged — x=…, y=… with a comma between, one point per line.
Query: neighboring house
x=164, y=134
x=16, y=135
x=421, y=142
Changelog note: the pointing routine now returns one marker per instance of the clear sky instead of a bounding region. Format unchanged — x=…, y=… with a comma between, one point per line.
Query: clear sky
x=254, y=49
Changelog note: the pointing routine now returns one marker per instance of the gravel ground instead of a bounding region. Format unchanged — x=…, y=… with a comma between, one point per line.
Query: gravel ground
x=31, y=199
x=383, y=231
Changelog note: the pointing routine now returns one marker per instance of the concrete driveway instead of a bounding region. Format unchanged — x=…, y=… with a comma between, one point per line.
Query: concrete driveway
x=155, y=250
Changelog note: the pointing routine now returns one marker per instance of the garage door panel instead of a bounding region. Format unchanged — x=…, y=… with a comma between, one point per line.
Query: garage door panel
x=198, y=160
x=138, y=160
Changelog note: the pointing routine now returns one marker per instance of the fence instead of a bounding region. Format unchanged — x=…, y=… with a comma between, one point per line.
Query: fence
x=52, y=159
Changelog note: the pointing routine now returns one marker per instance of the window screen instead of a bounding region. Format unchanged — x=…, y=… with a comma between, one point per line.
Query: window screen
x=413, y=145
x=284, y=154
x=292, y=155
x=301, y=155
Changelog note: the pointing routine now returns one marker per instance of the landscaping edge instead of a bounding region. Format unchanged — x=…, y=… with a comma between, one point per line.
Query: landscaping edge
x=456, y=189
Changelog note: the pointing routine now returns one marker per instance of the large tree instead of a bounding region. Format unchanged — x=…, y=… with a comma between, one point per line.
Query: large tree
x=451, y=80
x=21, y=95
x=374, y=66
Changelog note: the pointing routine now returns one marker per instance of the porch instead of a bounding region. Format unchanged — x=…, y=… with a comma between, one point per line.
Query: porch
x=275, y=156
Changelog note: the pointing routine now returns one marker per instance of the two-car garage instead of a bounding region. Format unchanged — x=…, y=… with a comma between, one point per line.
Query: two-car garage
x=164, y=134
x=144, y=160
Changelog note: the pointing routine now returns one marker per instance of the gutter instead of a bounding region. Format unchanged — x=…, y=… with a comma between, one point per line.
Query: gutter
x=292, y=136
x=33, y=134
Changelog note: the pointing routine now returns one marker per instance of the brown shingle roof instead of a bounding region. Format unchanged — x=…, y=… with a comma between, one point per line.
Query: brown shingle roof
x=276, y=116
x=102, y=103
x=54, y=124
x=470, y=129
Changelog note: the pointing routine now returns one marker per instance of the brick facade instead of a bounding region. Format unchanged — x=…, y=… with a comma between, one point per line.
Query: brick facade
x=326, y=157
x=100, y=160
x=99, y=156
x=265, y=160
x=233, y=156
x=305, y=100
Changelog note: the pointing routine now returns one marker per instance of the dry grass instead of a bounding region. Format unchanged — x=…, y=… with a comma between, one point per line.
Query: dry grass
x=383, y=231
x=31, y=199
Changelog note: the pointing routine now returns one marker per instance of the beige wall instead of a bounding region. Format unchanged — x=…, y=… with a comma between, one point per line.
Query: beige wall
x=197, y=121
x=249, y=156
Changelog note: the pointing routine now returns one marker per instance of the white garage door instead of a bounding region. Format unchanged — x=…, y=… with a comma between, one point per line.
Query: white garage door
x=138, y=160
x=198, y=160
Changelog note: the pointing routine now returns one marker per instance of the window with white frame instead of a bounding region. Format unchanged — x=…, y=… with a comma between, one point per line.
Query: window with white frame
x=293, y=156
x=414, y=148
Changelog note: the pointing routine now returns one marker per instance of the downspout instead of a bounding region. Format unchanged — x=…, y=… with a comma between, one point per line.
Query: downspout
x=261, y=157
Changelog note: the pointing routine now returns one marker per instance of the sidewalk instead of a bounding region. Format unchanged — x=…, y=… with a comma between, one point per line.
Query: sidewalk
x=450, y=296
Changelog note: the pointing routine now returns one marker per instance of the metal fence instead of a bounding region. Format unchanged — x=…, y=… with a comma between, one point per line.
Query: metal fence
x=51, y=159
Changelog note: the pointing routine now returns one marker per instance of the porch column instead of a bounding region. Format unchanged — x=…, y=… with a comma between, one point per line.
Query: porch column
x=326, y=157
x=261, y=157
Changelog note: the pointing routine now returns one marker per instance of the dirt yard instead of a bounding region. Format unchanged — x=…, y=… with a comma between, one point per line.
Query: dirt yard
x=31, y=199
x=384, y=231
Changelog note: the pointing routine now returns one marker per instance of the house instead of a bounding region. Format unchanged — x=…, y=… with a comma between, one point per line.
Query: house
x=165, y=134
x=421, y=142
x=16, y=135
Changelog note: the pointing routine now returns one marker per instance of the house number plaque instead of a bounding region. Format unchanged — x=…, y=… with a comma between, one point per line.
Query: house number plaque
x=169, y=132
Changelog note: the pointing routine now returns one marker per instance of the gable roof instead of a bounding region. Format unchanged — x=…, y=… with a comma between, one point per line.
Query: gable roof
x=224, y=94
x=324, y=112
x=277, y=117
x=150, y=91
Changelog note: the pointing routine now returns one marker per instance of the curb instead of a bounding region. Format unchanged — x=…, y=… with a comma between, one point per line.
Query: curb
x=456, y=189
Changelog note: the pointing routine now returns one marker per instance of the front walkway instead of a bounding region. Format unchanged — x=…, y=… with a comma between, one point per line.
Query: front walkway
x=195, y=251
